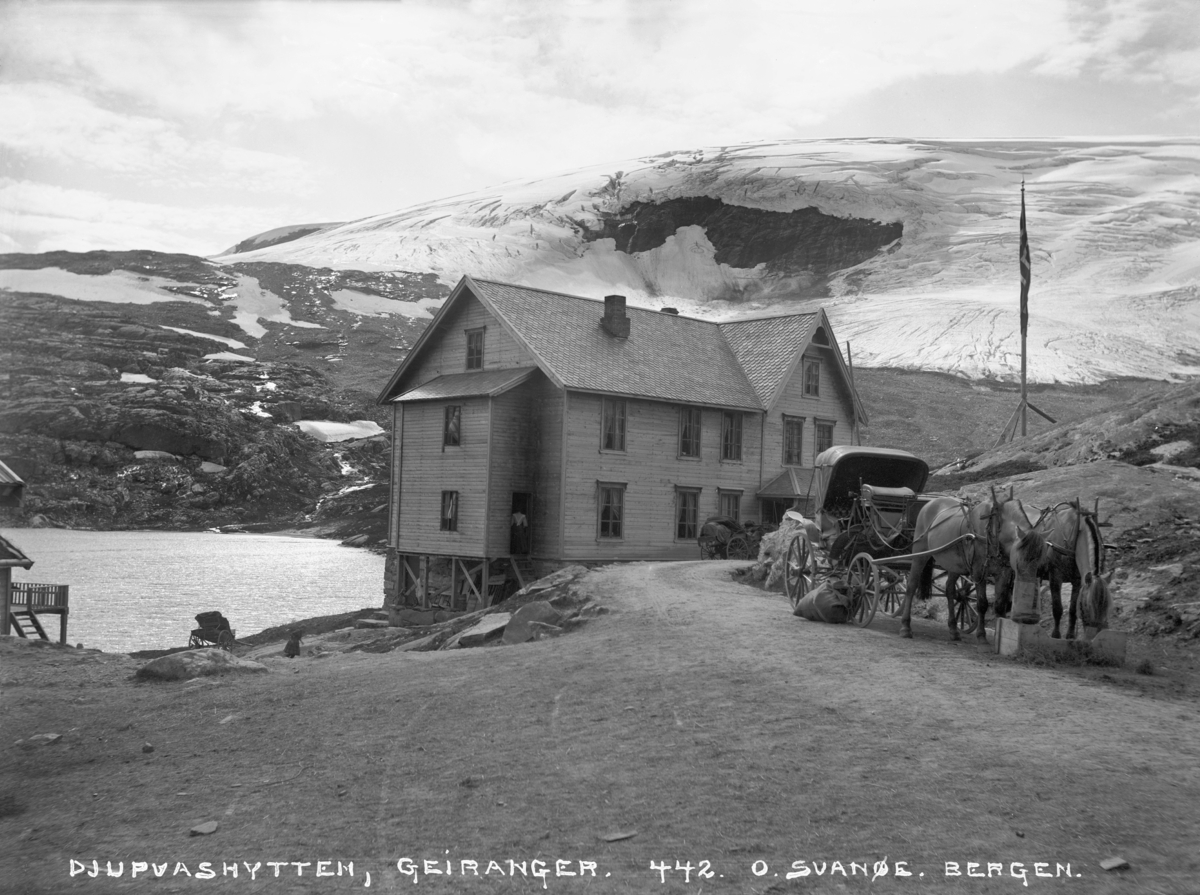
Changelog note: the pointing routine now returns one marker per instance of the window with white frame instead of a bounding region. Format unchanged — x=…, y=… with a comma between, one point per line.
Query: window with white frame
x=824, y=435
x=730, y=503
x=612, y=425
x=449, y=511
x=731, y=435
x=812, y=377
x=793, y=440
x=687, y=513
x=475, y=349
x=689, y=431
x=452, y=426
x=610, y=510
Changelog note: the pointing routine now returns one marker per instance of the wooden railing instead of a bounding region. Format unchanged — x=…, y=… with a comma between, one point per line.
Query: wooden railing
x=40, y=597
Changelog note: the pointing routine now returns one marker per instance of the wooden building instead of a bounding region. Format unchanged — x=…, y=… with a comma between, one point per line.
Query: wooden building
x=612, y=430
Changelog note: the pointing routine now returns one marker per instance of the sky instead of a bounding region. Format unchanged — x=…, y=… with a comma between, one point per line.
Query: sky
x=189, y=126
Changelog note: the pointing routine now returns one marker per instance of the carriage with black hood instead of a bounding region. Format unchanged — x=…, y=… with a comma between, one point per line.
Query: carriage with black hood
x=865, y=501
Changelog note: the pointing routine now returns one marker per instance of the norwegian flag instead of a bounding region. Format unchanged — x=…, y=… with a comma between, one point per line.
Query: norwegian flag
x=1024, y=267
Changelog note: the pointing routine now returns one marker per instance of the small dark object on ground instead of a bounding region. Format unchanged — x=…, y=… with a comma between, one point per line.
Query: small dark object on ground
x=1145, y=667
x=292, y=650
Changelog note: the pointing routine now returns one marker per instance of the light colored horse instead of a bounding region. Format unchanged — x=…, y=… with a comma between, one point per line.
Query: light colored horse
x=993, y=537
x=1076, y=557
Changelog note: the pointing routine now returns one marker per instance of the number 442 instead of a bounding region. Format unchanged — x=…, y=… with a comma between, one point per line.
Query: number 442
x=703, y=870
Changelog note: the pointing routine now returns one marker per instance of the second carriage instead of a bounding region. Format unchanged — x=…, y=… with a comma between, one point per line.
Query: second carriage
x=865, y=501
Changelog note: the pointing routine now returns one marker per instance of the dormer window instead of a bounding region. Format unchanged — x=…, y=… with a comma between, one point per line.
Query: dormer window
x=475, y=349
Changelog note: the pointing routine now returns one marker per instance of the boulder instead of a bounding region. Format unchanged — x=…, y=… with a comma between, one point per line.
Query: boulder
x=520, y=628
x=196, y=663
x=491, y=626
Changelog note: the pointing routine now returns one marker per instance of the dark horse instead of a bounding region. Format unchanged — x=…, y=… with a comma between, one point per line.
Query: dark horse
x=1076, y=557
x=993, y=537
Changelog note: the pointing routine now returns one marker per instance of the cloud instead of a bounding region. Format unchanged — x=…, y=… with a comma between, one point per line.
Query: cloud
x=40, y=217
x=355, y=108
x=48, y=123
x=1149, y=41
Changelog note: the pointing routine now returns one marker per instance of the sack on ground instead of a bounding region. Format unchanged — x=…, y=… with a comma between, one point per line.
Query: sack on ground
x=824, y=603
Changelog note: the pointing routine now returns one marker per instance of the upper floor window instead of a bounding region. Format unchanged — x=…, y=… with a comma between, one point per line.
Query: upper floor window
x=812, y=377
x=449, y=511
x=612, y=425
x=687, y=513
x=452, y=426
x=475, y=349
x=689, y=431
x=793, y=440
x=610, y=500
x=731, y=435
x=824, y=429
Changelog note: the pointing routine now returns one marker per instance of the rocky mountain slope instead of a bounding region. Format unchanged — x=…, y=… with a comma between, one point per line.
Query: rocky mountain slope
x=910, y=245
x=174, y=393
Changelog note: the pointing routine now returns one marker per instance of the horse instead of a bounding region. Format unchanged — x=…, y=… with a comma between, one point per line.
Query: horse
x=993, y=537
x=1076, y=557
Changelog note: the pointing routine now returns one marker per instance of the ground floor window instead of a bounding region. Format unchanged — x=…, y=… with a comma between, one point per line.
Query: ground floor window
x=610, y=499
x=449, y=511
x=824, y=430
x=687, y=513
x=731, y=504
x=793, y=440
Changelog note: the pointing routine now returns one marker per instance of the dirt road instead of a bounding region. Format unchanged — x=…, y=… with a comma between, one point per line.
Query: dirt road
x=699, y=716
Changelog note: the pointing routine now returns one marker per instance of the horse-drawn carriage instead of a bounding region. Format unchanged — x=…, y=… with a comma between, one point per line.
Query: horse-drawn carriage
x=866, y=501
x=876, y=537
x=723, y=537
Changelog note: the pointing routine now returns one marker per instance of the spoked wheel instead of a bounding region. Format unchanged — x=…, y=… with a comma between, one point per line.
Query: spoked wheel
x=966, y=616
x=892, y=585
x=737, y=548
x=863, y=586
x=799, y=569
x=225, y=641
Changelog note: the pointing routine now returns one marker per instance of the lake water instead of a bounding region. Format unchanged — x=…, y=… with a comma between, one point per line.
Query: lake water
x=134, y=590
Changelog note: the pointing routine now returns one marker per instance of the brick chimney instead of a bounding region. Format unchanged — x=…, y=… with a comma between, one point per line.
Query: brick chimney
x=615, y=321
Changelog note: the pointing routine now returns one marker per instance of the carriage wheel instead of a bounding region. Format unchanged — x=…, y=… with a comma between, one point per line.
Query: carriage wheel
x=892, y=586
x=799, y=569
x=966, y=616
x=737, y=548
x=225, y=641
x=195, y=642
x=863, y=584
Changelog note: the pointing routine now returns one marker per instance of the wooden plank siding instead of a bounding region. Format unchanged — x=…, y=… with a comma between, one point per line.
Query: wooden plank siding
x=448, y=353
x=428, y=469
x=545, y=522
x=832, y=404
x=651, y=470
x=514, y=441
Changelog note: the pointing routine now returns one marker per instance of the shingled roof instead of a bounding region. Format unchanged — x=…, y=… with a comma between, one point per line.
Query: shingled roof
x=667, y=357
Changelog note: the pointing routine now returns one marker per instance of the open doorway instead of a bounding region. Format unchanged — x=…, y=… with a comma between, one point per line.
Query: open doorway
x=520, y=536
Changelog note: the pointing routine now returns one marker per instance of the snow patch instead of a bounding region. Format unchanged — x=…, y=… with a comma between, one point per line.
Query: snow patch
x=224, y=340
x=136, y=377
x=118, y=286
x=253, y=304
x=324, y=430
x=366, y=304
x=229, y=355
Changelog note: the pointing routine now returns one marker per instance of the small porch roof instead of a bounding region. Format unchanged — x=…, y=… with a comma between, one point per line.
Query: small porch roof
x=793, y=482
x=485, y=383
